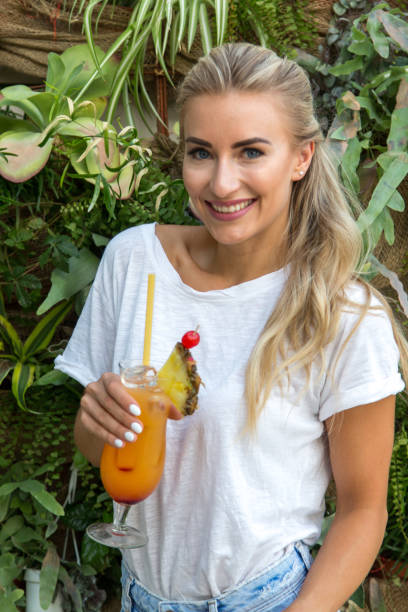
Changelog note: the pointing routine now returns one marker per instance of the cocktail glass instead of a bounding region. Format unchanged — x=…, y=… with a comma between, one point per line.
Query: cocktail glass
x=131, y=473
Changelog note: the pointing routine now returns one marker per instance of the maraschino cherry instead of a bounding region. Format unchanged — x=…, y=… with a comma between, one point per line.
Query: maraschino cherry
x=190, y=339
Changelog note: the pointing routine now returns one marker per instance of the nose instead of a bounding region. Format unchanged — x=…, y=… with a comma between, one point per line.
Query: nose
x=225, y=178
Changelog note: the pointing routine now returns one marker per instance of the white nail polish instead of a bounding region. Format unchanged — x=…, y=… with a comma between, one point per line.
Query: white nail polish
x=129, y=436
x=134, y=409
x=137, y=427
x=119, y=443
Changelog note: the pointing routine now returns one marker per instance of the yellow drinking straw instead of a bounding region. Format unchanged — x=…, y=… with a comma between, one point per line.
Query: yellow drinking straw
x=149, y=319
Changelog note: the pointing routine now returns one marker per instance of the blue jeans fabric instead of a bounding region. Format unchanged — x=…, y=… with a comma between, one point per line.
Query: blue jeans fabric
x=271, y=591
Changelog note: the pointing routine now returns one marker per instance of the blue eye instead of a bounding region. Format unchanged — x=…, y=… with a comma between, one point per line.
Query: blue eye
x=199, y=154
x=252, y=153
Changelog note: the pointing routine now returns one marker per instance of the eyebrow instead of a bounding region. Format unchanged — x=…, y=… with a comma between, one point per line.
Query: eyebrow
x=236, y=145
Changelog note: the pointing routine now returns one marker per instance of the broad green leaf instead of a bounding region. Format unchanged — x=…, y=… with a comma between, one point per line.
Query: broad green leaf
x=7, y=600
x=10, y=336
x=64, y=285
x=384, y=190
x=8, y=488
x=10, y=124
x=4, y=506
x=398, y=135
x=205, y=29
x=10, y=527
x=55, y=67
x=23, y=376
x=43, y=332
x=396, y=28
x=37, y=490
x=82, y=75
x=192, y=22
x=361, y=44
x=49, y=576
x=55, y=377
x=14, y=93
x=28, y=159
x=378, y=37
x=348, y=67
x=27, y=534
x=29, y=109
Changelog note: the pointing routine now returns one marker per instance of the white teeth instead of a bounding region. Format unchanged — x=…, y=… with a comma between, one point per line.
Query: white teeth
x=232, y=209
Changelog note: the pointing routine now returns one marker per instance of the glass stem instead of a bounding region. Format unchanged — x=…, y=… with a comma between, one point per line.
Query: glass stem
x=119, y=518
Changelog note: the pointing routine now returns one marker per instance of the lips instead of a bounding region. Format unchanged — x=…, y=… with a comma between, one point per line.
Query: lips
x=229, y=210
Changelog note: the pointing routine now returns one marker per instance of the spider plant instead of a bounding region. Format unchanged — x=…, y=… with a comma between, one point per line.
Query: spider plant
x=167, y=25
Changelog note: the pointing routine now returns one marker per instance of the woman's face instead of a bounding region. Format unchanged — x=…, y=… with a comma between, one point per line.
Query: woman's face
x=239, y=165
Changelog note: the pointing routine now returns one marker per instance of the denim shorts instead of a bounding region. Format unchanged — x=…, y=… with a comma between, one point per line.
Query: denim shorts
x=273, y=590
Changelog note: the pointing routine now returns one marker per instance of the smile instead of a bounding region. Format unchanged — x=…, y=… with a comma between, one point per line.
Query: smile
x=231, y=208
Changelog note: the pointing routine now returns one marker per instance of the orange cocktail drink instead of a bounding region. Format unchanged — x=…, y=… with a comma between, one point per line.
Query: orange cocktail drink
x=130, y=474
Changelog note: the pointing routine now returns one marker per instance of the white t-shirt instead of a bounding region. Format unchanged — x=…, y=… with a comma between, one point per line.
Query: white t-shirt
x=227, y=505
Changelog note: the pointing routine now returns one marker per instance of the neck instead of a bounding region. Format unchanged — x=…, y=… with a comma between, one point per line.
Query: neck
x=237, y=263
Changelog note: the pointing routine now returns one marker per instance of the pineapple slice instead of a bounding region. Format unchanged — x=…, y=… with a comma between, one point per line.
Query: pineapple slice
x=179, y=379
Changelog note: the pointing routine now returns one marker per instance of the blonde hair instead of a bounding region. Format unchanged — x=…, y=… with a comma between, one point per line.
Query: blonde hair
x=325, y=247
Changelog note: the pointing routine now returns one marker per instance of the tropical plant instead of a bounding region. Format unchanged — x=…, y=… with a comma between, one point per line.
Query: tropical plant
x=23, y=359
x=28, y=517
x=167, y=27
x=27, y=141
x=369, y=131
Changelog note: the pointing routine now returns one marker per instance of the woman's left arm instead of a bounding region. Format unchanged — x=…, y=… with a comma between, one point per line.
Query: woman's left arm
x=360, y=441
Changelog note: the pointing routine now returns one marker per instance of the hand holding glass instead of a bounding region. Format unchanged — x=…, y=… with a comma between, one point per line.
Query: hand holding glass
x=131, y=473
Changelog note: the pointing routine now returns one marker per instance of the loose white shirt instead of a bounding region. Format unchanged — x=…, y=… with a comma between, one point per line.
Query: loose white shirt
x=228, y=505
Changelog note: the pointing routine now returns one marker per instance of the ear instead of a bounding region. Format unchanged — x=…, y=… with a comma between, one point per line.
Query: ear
x=304, y=158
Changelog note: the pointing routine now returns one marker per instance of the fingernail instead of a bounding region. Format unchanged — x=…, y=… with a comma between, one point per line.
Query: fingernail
x=119, y=443
x=137, y=427
x=129, y=436
x=135, y=409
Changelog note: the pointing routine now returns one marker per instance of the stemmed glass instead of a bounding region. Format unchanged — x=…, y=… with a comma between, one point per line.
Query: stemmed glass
x=131, y=473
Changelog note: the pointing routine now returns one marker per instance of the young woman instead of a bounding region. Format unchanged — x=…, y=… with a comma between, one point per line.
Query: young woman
x=299, y=358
